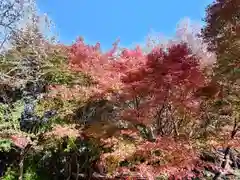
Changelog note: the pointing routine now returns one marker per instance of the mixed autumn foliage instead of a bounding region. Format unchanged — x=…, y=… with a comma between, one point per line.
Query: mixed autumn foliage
x=76, y=112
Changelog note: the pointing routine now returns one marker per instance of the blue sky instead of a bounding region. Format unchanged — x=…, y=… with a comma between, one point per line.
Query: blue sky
x=130, y=20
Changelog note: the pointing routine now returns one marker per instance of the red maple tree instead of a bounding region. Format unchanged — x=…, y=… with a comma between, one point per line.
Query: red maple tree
x=143, y=82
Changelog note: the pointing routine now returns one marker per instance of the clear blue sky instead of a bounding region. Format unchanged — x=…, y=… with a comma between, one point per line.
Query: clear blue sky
x=131, y=20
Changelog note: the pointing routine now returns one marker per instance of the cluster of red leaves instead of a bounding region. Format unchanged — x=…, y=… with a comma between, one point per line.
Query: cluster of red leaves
x=64, y=131
x=20, y=141
x=169, y=75
x=180, y=159
x=152, y=159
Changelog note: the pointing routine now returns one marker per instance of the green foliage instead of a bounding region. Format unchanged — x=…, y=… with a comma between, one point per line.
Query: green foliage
x=9, y=116
x=10, y=175
x=56, y=76
x=5, y=145
x=70, y=144
x=30, y=174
